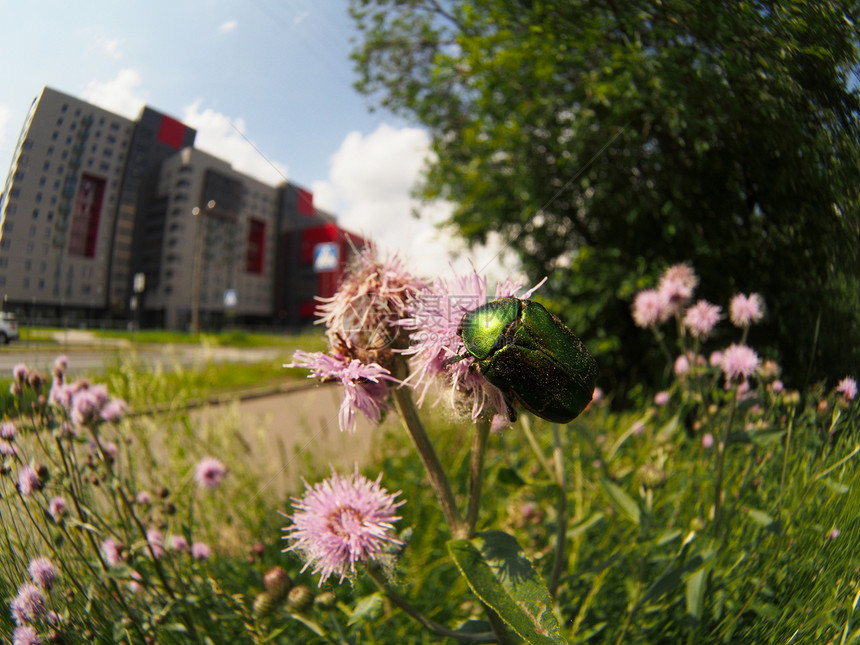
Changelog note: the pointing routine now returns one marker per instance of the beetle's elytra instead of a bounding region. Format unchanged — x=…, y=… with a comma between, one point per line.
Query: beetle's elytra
x=531, y=356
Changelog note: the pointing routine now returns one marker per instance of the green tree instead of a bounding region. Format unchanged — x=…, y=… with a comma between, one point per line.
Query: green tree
x=606, y=140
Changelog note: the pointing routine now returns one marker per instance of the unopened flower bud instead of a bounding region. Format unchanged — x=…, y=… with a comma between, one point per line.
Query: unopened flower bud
x=277, y=582
x=325, y=600
x=650, y=476
x=300, y=598
x=263, y=604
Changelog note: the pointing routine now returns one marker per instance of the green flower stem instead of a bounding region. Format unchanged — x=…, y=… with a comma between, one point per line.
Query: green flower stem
x=438, y=478
x=721, y=458
x=432, y=625
x=561, y=538
x=476, y=468
x=535, y=446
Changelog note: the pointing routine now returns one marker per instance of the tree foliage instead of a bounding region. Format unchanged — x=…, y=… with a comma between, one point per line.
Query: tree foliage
x=605, y=140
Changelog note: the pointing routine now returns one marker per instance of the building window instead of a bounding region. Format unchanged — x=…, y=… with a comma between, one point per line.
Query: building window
x=64, y=109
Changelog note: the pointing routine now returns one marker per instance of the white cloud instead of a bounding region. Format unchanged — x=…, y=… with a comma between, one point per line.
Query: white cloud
x=5, y=118
x=217, y=135
x=369, y=188
x=227, y=27
x=121, y=95
x=109, y=47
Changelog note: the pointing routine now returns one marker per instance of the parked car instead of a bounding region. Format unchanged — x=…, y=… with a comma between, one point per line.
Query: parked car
x=8, y=328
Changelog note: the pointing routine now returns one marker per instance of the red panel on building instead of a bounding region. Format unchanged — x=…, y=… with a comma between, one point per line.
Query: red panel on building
x=171, y=132
x=306, y=202
x=86, y=216
x=254, y=246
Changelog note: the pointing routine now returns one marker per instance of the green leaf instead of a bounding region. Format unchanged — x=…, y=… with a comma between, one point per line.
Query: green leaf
x=367, y=608
x=665, y=433
x=584, y=525
x=760, y=517
x=501, y=576
x=510, y=477
x=696, y=585
x=621, y=500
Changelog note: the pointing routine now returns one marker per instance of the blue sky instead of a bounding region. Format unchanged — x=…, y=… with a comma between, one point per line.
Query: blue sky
x=276, y=71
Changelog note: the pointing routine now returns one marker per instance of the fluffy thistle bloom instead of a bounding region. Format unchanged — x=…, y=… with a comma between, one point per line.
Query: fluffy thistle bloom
x=143, y=498
x=777, y=386
x=28, y=481
x=200, y=551
x=112, y=552
x=113, y=410
x=361, y=319
x=701, y=318
x=715, y=359
x=661, y=398
x=707, y=440
x=739, y=362
x=433, y=320
x=676, y=286
x=847, y=388
x=210, y=472
x=43, y=572
x=58, y=508
x=25, y=635
x=650, y=308
x=8, y=430
x=29, y=604
x=7, y=448
x=178, y=543
x=364, y=384
x=61, y=364
x=340, y=521
x=156, y=543
x=135, y=585
x=19, y=372
x=682, y=365
x=745, y=310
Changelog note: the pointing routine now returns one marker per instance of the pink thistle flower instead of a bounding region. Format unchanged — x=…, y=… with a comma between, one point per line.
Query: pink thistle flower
x=847, y=388
x=364, y=387
x=112, y=552
x=25, y=635
x=739, y=362
x=113, y=410
x=156, y=542
x=144, y=498
x=61, y=363
x=833, y=533
x=682, y=365
x=29, y=604
x=28, y=481
x=701, y=318
x=8, y=431
x=661, y=398
x=210, y=472
x=60, y=395
x=433, y=320
x=19, y=372
x=58, y=508
x=745, y=310
x=201, y=551
x=178, y=543
x=7, y=448
x=707, y=440
x=340, y=521
x=715, y=359
x=135, y=585
x=777, y=386
x=650, y=308
x=681, y=274
x=43, y=572
x=361, y=319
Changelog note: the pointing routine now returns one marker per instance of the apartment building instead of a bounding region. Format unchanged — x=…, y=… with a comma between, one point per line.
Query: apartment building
x=102, y=217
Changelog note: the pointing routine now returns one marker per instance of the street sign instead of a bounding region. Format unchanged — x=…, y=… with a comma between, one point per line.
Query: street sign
x=326, y=257
x=231, y=298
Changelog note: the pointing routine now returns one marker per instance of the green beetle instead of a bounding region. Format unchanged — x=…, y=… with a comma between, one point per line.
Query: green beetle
x=531, y=356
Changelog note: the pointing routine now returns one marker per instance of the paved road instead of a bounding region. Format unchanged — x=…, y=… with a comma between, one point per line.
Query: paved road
x=90, y=354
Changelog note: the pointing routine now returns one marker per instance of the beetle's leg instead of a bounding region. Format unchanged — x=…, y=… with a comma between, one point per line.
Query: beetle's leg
x=454, y=359
x=512, y=410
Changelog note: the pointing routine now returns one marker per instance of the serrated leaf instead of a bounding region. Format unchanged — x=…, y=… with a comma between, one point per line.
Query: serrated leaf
x=503, y=578
x=367, y=608
x=621, y=500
